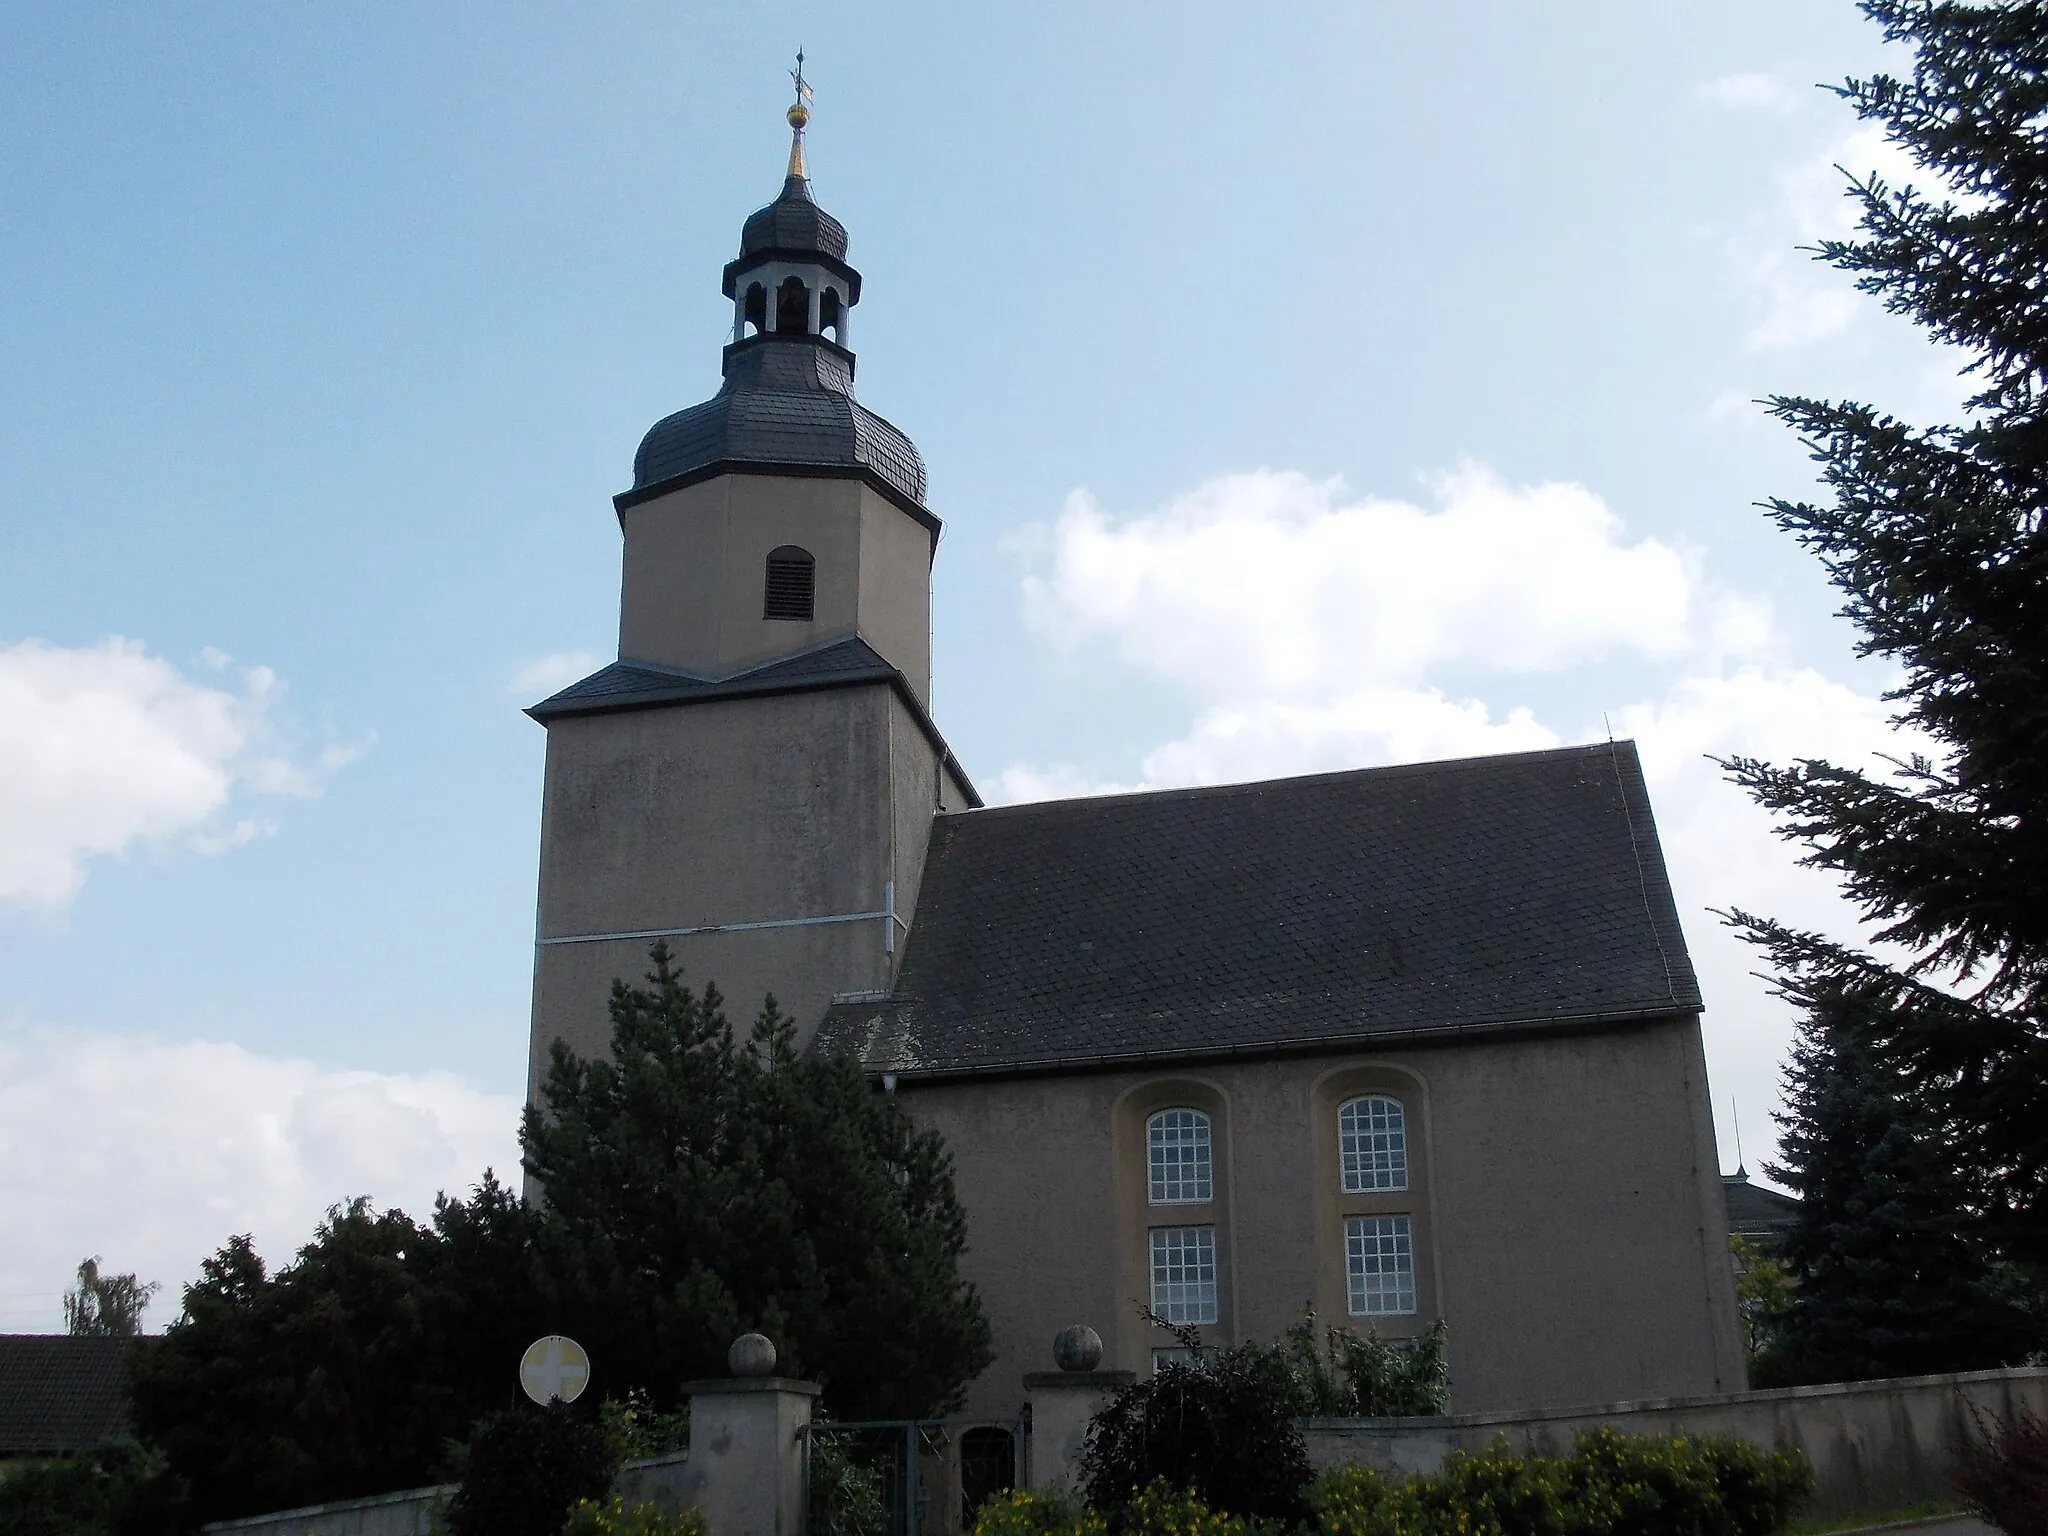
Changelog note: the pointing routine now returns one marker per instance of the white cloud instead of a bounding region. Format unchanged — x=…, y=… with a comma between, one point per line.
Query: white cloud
x=151, y=1154
x=104, y=747
x=1800, y=301
x=551, y=674
x=1271, y=584
x=1748, y=93
x=1304, y=632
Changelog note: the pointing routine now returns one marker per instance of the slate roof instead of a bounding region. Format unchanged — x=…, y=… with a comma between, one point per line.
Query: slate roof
x=794, y=223
x=785, y=404
x=847, y=663
x=61, y=1393
x=1431, y=901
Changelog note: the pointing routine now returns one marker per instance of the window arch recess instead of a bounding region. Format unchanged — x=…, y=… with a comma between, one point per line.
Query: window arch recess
x=1179, y=1157
x=1372, y=1144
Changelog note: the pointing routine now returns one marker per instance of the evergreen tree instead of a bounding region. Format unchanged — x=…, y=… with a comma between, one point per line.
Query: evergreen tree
x=1890, y=1282
x=1936, y=538
x=702, y=1186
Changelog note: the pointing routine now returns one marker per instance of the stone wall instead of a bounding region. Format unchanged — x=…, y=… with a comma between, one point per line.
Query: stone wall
x=1874, y=1446
x=657, y=1480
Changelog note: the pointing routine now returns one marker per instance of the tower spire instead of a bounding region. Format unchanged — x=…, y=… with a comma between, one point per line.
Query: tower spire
x=799, y=114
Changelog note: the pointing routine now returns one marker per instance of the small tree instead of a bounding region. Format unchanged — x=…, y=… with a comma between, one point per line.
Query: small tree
x=106, y=1305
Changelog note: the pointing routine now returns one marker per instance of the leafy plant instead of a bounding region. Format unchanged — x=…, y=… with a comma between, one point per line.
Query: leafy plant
x=634, y=1429
x=2004, y=1474
x=844, y=1494
x=526, y=1469
x=1219, y=1424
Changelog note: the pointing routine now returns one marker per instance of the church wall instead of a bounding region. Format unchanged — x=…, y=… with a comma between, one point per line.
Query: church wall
x=696, y=562
x=1566, y=1206
x=742, y=811
x=895, y=589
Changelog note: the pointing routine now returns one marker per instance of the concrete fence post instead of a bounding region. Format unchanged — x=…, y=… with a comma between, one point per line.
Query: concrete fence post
x=1060, y=1403
x=745, y=1468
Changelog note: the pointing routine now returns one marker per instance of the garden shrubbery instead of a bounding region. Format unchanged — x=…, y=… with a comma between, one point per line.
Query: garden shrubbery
x=1611, y=1485
x=2004, y=1476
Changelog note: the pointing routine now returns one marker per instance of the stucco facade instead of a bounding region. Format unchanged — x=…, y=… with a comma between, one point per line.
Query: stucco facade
x=1564, y=1191
x=775, y=843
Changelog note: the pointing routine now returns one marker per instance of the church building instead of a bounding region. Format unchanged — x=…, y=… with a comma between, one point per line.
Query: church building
x=1403, y=1043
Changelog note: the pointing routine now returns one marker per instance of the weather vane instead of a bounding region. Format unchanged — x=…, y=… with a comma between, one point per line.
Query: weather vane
x=799, y=114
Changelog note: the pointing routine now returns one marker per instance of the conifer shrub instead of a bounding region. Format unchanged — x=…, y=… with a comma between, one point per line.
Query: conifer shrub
x=526, y=1469
x=2004, y=1475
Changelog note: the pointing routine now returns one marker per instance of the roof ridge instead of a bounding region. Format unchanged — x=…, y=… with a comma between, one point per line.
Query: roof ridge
x=1243, y=786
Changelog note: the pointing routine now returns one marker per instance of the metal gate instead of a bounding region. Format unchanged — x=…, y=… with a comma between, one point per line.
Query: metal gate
x=907, y=1477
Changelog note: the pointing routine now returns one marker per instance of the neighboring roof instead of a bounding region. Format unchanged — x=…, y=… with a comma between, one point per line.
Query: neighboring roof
x=61, y=1392
x=1436, y=900
x=1757, y=1211
x=848, y=663
x=786, y=405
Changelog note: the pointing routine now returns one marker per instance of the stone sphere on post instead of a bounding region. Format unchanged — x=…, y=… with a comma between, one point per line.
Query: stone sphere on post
x=751, y=1354
x=1078, y=1348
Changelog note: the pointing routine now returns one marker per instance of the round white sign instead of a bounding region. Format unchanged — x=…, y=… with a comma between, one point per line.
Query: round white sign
x=554, y=1367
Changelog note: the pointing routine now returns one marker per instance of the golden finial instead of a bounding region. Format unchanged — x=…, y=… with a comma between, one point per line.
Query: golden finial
x=799, y=114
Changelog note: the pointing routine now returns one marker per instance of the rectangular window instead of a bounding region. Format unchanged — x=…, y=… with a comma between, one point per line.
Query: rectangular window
x=1175, y=1356
x=1379, y=1264
x=1184, y=1274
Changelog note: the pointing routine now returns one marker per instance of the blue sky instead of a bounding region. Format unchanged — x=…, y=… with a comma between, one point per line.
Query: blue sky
x=1302, y=386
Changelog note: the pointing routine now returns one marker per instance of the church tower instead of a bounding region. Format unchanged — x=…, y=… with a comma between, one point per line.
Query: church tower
x=754, y=779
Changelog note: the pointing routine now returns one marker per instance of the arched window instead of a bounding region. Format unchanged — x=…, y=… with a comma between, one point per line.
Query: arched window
x=1177, y=1157
x=792, y=307
x=828, y=315
x=1372, y=1145
x=755, y=312
x=792, y=584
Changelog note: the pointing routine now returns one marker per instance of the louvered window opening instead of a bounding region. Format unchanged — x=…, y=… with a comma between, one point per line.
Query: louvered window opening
x=792, y=586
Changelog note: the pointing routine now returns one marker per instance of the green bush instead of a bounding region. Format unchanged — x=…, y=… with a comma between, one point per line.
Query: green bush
x=526, y=1469
x=1020, y=1513
x=1339, y=1373
x=1219, y=1424
x=121, y=1489
x=591, y=1517
x=1611, y=1485
x=2004, y=1474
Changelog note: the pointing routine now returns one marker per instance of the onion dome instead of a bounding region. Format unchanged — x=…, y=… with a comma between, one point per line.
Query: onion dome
x=787, y=401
